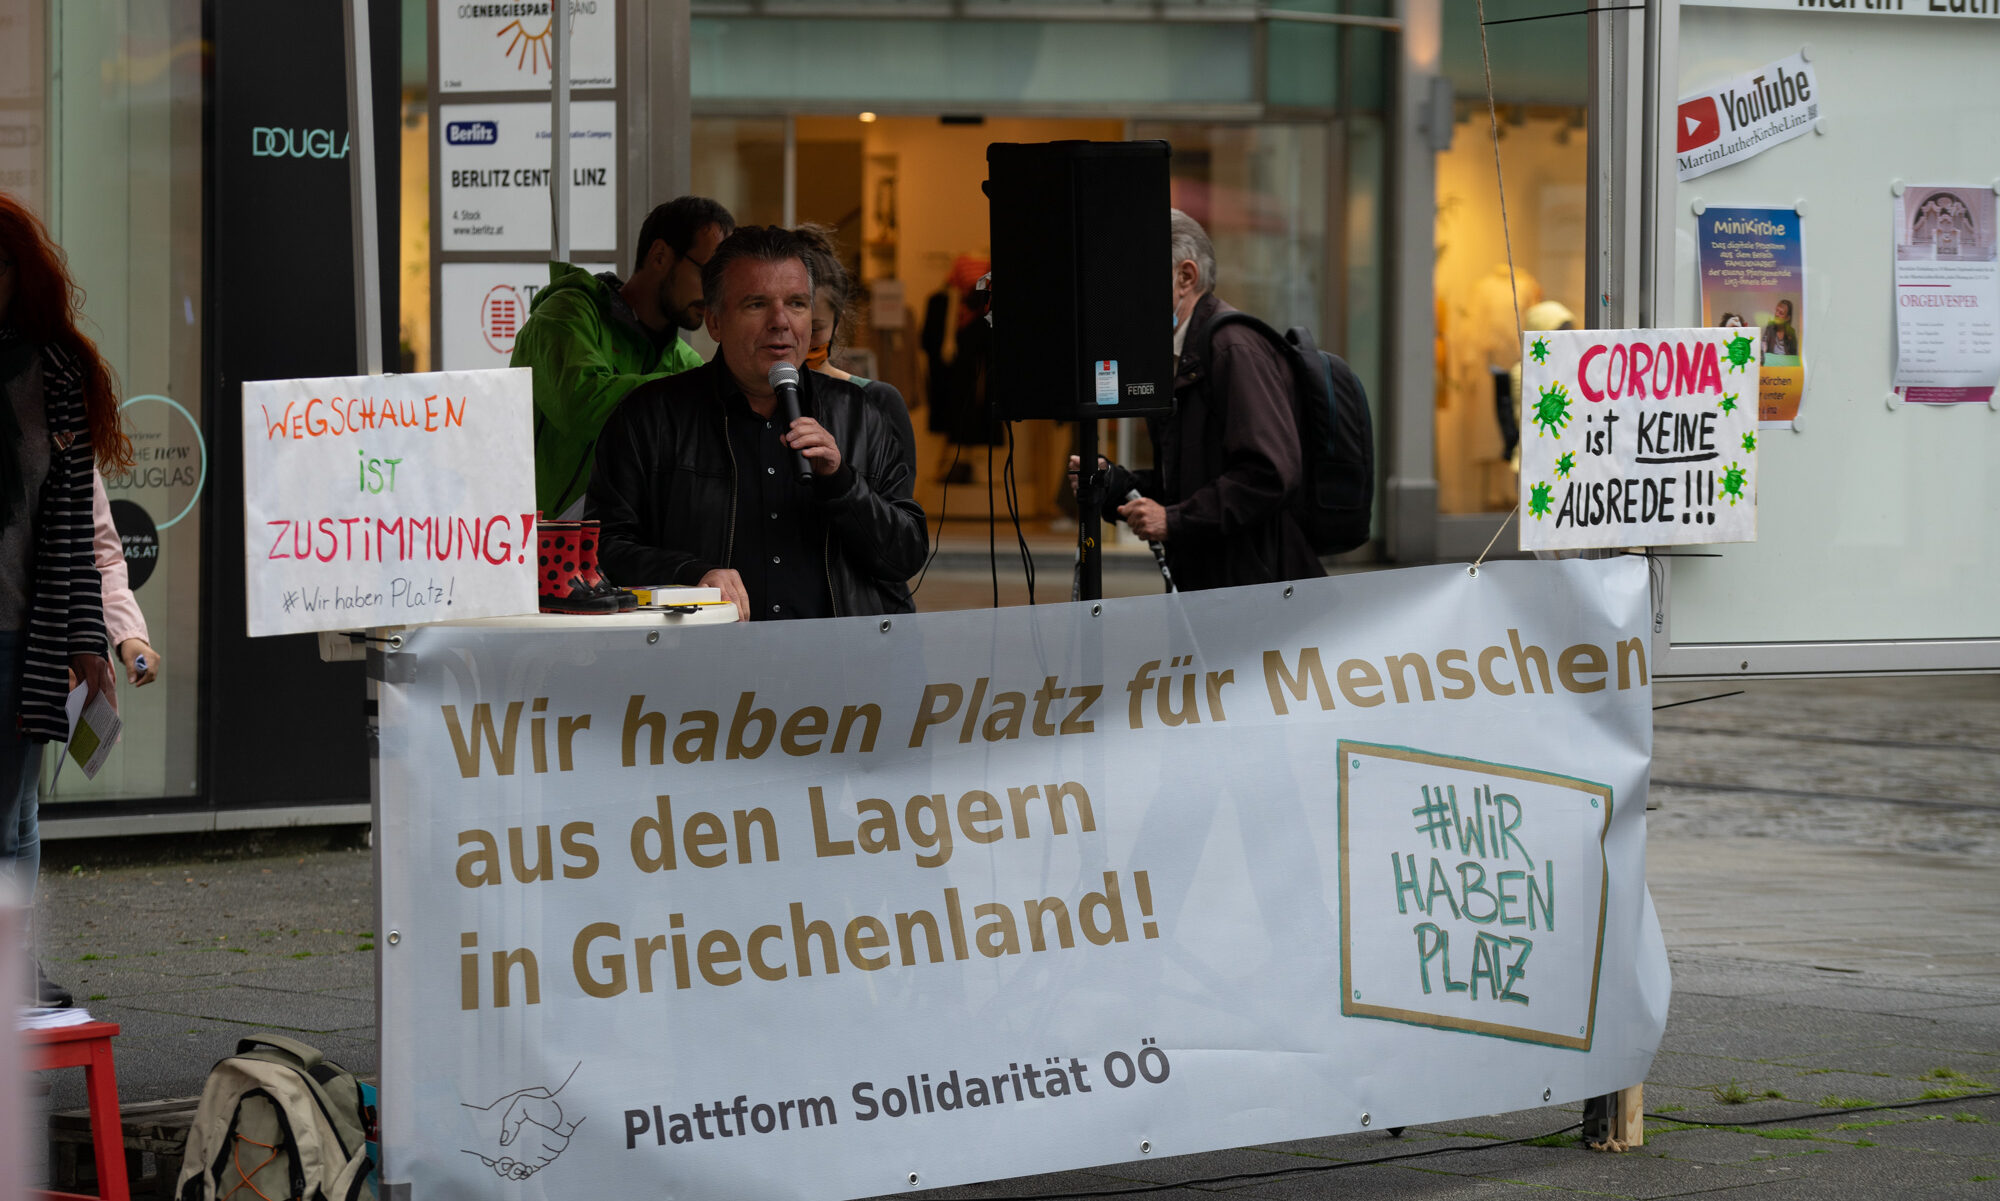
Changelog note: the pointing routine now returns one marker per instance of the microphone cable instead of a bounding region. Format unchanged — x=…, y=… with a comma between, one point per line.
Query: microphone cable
x=944, y=503
x=1011, y=489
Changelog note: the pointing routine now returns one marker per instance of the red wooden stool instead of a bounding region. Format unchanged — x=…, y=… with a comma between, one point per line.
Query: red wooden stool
x=88, y=1046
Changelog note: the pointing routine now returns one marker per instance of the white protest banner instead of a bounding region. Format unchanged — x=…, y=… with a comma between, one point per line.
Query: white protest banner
x=493, y=176
x=1638, y=437
x=387, y=499
x=1744, y=117
x=829, y=909
x=506, y=46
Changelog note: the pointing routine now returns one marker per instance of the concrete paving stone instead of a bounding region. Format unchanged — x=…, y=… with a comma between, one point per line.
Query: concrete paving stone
x=1908, y=1062
x=1390, y=1183
x=1867, y=998
x=283, y=1011
x=1637, y=1174
x=1877, y=1190
x=1938, y=1133
x=1982, y=1015
x=320, y=973
x=1225, y=1168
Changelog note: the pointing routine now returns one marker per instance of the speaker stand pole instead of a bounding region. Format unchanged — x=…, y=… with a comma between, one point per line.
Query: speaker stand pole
x=1089, y=506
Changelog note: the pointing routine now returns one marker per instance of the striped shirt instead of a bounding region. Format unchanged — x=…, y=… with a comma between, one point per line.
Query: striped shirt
x=67, y=616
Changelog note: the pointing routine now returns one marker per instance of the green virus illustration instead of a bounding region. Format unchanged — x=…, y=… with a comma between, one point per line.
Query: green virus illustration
x=1738, y=349
x=1565, y=464
x=1552, y=410
x=1540, y=350
x=1728, y=403
x=1749, y=443
x=1732, y=483
x=1541, y=498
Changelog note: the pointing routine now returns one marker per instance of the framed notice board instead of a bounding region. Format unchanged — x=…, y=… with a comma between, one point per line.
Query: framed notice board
x=1878, y=545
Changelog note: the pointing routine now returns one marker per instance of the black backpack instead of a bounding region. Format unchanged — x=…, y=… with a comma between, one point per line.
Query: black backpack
x=1335, y=503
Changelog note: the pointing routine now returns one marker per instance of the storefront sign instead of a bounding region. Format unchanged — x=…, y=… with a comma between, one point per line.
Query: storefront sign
x=493, y=174
x=1638, y=437
x=1861, y=10
x=484, y=306
x=506, y=47
x=1753, y=277
x=831, y=909
x=1745, y=117
x=1947, y=295
x=387, y=500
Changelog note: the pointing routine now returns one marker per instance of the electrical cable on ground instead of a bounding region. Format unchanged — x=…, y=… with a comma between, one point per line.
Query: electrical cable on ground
x=1305, y=1169
x=1825, y=1113
x=1277, y=1173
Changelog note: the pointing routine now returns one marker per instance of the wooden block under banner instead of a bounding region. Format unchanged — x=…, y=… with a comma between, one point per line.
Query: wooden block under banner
x=1616, y=1121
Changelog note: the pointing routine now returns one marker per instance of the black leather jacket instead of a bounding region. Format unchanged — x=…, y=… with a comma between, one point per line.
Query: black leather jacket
x=664, y=488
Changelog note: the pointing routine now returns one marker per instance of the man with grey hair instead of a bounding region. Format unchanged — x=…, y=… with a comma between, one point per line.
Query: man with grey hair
x=696, y=479
x=1228, y=458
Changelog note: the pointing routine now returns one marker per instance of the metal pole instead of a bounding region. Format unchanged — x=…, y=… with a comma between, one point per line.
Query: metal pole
x=559, y=130
x=366, y=228
x=1089, y=507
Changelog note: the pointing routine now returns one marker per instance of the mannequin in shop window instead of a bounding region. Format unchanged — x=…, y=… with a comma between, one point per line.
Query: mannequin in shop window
x=956, y=344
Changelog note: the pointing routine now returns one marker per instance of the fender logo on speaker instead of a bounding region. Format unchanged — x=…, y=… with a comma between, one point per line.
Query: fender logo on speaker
x=1138, y=389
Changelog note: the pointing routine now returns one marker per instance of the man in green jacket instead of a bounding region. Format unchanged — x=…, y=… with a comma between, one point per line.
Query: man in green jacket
x=592, y=338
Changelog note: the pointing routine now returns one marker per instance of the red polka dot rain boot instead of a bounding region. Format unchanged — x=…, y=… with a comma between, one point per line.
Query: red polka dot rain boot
x=559, y=556
x=589, y=539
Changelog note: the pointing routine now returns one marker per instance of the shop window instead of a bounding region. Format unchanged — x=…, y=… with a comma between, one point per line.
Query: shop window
x=741, y=162
x=120, y=176
x=1542, y=150
x=1262, y=193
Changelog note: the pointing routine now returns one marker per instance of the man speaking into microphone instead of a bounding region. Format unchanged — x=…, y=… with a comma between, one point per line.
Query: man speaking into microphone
x=788, y=490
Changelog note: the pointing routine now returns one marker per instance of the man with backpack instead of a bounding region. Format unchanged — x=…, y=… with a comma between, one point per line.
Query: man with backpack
x=1230, y=465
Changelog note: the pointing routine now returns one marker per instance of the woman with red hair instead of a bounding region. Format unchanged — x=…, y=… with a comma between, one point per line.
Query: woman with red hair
x=60, y=410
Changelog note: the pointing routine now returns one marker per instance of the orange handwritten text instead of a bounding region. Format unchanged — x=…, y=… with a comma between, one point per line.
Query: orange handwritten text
x=332, y=417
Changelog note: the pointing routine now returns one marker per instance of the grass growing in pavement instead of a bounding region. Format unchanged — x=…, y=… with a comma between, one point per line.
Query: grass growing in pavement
x=1556, y=1140
x=1835, y=1102
x=1732, y=1094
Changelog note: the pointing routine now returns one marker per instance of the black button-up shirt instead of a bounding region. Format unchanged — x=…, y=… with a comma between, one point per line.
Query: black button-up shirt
x=780, y=548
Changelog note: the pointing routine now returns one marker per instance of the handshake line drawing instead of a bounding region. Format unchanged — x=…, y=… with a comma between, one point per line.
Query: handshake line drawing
x=521, y=1133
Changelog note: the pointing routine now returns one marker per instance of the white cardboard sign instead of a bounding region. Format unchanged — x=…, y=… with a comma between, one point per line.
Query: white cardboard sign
x=1638, y=437
x=387, y=500
x=482, y=307
x=493, y=176
x=794, y=911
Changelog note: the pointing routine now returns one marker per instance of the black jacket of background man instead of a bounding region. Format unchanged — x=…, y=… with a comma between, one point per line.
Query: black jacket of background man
x=665, y=488
x=1228, y=461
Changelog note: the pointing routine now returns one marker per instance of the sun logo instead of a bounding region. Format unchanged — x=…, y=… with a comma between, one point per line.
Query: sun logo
x=530, y=51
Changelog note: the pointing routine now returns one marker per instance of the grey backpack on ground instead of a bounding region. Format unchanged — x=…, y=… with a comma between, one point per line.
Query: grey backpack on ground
x=278, y=1121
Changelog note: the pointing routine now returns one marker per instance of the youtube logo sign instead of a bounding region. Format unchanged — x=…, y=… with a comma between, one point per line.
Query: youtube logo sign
x=1698, y=125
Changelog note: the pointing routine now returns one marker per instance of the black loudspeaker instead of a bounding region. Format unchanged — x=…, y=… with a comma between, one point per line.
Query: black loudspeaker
x=1082, y=279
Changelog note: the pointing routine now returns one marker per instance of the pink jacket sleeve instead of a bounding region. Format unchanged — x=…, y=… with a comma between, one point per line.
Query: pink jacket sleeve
x=122, y=618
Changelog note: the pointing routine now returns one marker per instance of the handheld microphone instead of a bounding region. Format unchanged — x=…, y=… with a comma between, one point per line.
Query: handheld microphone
x=785, y=382
x=1159, y=552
